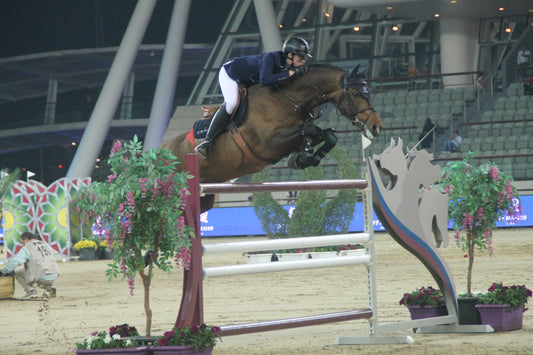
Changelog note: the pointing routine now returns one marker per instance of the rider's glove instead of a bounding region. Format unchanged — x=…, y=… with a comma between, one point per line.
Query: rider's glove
x=299, y=71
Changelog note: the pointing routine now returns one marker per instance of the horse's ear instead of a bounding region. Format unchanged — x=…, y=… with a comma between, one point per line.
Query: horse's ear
x=354, y=72
x=362, y=74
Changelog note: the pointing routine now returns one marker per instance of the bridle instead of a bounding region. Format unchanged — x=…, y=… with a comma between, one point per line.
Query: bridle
x=361, y=89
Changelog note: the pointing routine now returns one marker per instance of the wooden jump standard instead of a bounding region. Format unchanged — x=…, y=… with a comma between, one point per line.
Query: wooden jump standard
x=191, y=309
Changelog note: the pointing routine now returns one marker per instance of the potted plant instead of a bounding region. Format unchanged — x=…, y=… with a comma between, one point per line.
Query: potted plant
x=198, y=340
x=140, y=208
x=479, y=196
x=104, y=250
x=87, y=249
x=116, y=340
x=502, y=307
x=424, y=302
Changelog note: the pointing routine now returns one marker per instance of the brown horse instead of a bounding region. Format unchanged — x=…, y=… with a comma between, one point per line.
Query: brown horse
x=274, y=121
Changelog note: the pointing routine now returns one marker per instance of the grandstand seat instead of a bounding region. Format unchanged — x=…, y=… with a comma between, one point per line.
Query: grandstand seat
x=411, y=97
x=422, y=109
x=510, y=102
x=434, y=107
x=514, y=89
x=457, y=107
x=410, y=109
x=487, y=116
x=422, y=96
x=445, y=94
x=522, y=102
x=377, y=99
x=470, y=94
x=458, y=94
x=499, y=104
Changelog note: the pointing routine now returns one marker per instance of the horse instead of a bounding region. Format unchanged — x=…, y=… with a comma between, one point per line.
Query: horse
x=278, y=120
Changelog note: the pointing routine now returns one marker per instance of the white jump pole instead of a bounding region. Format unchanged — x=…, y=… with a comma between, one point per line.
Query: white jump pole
x=247, y=269
x=289, y=243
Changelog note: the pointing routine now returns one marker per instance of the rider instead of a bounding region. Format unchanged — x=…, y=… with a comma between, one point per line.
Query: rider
x=267, y=69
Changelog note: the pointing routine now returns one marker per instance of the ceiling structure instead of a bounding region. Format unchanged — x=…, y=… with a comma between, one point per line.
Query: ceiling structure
x=426, y=9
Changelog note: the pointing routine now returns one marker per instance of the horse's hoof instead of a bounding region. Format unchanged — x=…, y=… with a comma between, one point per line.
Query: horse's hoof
x=293, y=162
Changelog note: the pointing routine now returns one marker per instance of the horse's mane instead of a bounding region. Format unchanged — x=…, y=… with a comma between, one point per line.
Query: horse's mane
x=323, y=66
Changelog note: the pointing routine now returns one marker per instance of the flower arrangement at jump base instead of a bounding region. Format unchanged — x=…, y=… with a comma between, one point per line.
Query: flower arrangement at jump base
x=116, y=337
x=424, y=296
x=502, y=306
x=479, y=196
x=140, y=208
x=424, y=302
x=86, y=243
x=200, y=338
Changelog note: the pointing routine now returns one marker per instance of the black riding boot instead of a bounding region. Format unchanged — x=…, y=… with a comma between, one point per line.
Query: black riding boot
x=219, y=120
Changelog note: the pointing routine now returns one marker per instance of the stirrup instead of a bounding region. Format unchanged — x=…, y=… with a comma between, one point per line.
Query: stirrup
x=203, y=148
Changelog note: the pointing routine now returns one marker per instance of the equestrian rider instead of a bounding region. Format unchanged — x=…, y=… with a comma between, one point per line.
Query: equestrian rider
x=267, y=68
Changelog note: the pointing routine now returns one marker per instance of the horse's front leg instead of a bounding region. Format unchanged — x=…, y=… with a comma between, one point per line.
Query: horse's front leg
x=314, y=136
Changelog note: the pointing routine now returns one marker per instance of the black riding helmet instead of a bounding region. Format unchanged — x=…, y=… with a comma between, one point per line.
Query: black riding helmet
x=296, y=45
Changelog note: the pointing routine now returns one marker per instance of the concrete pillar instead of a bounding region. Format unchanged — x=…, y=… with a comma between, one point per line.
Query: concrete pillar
x=51, y=100
x=94, y=136
x=168, y=76
x=458, y=43
x=268, y=25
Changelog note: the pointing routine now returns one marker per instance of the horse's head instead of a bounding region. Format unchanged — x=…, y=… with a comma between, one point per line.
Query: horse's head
x=355, y=103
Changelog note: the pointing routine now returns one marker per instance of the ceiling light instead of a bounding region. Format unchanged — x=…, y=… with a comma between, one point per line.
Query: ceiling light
x=436, y=15
x=327, y=14
x=500, y=9
x=508, y=30
x=389, y=7
x=395, y=28
x=356, y=28
x=453, y=2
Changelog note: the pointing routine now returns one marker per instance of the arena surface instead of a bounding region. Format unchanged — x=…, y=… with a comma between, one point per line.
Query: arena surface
x=86, y=302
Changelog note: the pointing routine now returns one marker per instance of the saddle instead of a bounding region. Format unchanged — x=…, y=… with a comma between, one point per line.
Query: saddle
x=200, y=127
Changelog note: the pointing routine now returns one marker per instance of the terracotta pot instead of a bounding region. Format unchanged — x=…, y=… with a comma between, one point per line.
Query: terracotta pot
x=501, y=317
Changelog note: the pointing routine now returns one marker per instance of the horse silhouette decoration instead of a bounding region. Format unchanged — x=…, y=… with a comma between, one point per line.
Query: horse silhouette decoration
x=278, y=120
x=414, y=212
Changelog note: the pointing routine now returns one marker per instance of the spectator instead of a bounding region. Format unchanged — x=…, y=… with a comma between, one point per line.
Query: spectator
x=426, y=140
x=40, y=266
x=528, y=86
x=453, y=144
x=522, y=61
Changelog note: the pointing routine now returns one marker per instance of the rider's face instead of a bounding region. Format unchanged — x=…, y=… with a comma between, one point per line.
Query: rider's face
x=298, y=59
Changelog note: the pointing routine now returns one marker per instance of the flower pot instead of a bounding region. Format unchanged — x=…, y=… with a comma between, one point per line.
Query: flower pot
x=7, y=287
x=104, y=254
x=88, y=254
x=468, y=314
x=501, y=317
x=419, y=312
x=141, y=350
x=180, y=349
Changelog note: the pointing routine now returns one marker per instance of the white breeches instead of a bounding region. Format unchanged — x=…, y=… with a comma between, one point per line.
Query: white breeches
x=230, y=90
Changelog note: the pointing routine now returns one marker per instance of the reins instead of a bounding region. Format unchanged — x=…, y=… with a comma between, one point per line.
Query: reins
x=323, y=98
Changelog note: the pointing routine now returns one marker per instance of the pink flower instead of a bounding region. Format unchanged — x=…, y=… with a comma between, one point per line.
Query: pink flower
x=112, y=177
x=117, y=146
x=494, y=173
